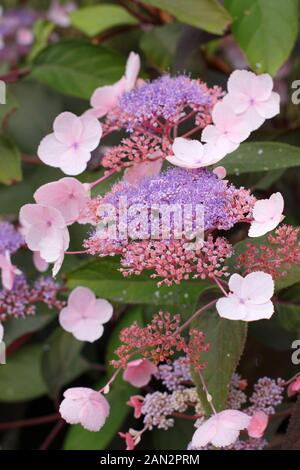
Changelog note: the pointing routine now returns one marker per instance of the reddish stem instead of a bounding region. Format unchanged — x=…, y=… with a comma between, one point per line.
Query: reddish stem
x=29, y=422
x=52, y=435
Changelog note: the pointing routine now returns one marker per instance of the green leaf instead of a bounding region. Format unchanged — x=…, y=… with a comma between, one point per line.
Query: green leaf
x=10, y=162
x=77, y=68
x=288, y=316
x=226, y=341
x=159, y=45
x=209, y=15
x=17, y=327
x=103, y=278
x=77, y=437
x=262, y=156
x=20, y=377
x=41, y=31
x=61, y=361
x=9, y=107
x=95, y=19
x=266, y=30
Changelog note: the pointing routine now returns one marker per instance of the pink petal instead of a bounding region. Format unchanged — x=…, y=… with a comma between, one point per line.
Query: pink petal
x=74, y=161
x=261, y=87
x=105, y=98
x=225, y=437
x=234, y=419
x=220, y=171
x=88, y=330
x=139, y=171
x=40, y=264
x=67, y=128
x=69, y=410
x=94, y=412
x=270, y=108
x=235, y=284
x=132, y=70
x=231, y=308
x=69, y=318
x=253, y=119
x=81, y=298
x=205, y=433
x=91, y=133
x=258, y=424
x=138, y=372
x=78, y=393
x=259, y=312
x=258, y=287
x=240, y=82
x=50, y=150
x=102, y=310
x=67, y=195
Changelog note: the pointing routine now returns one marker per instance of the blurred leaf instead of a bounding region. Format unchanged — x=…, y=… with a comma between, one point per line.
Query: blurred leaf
x=209, y=15
x=159, y=45
x=226, y=341
x=34, y=117
x=10, y=161
x=259, y=27
x=269, y=179
x=262, y=156
x=61, y=361
x=41, y=31
x=79, y=438
x=10, y=105
x=16, y=327
x=95, y=19
x=103, y=278
x=288, y=316
x=176, y=438
x=77, y=68
x=20, y=377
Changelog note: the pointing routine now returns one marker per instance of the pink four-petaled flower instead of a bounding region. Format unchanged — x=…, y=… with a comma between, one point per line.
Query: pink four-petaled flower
x=69, y=147
x=84, y=406
x=249, y=297
x=85, y=315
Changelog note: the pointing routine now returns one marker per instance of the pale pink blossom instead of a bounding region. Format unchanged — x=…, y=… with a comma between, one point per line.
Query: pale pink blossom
x=225, y=134
x=267, y=214
x=85, y=315
x=136, y=401
x=132, y=70
x=249, y=297
x=69, y=147
x=105, y=98
x=84, y=406
x=220, y=171
x=67, y=195
x=187, y=153
x=59, y=14
x=258, y=424
x=138, y=372
x=1, y=332
x=251, y=97
x=222, y=429
x=39, y=263
x=139, y=171
x=24, y=36
x=44, y=230
x=294, y=387
x=8, y=271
